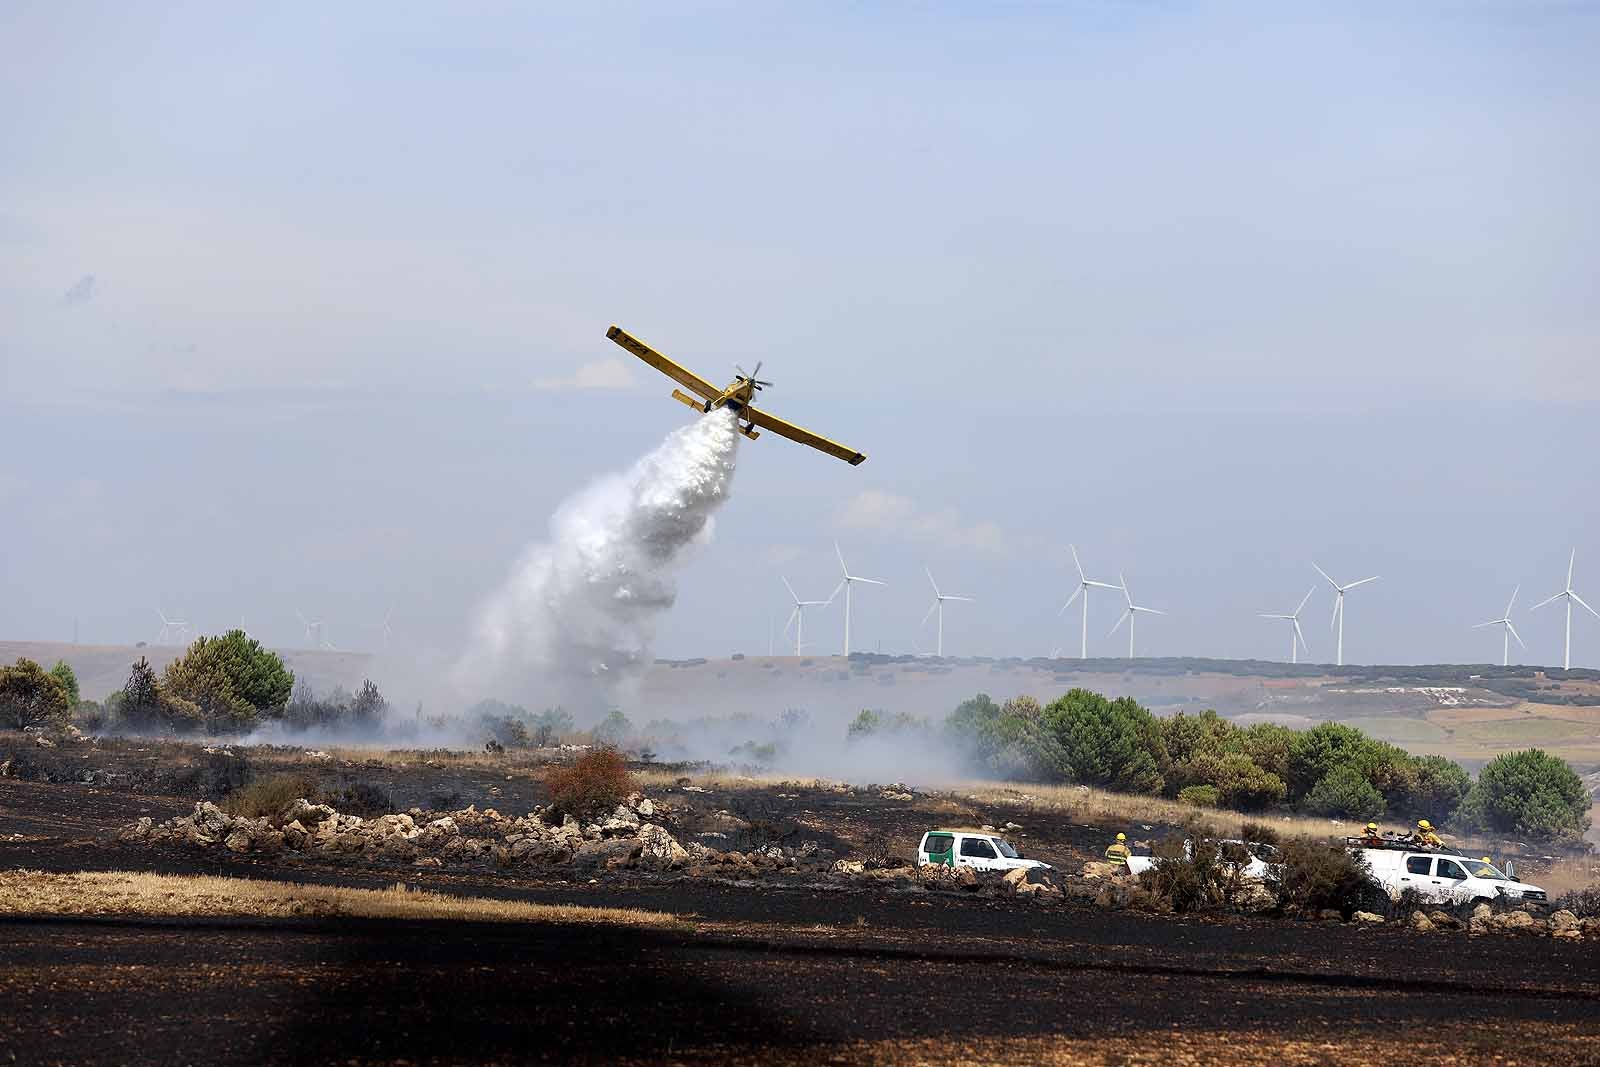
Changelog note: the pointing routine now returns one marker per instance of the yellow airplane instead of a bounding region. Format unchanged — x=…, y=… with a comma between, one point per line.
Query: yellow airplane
x=736, y=396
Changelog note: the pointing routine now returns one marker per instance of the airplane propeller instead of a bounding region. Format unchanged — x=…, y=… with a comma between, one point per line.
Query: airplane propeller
x=753, y=378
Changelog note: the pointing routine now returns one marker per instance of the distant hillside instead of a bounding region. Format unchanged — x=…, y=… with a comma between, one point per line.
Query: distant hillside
x=103, y=668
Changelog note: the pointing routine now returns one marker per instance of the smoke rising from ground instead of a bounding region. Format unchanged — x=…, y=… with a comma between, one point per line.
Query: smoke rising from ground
x=574, y=623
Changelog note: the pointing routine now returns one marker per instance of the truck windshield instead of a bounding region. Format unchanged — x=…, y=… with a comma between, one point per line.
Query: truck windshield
x=1481, y=869
x=1005, y=848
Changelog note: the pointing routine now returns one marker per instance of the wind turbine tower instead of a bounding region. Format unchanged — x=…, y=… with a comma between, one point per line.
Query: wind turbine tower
x=1510, y=631
x=1569, y=596
x=1338, y=608
x=938, y=606
x=849, y=580
x=797, y=617
x=1084, y=585
x=1297, y=639
x=1129, y=612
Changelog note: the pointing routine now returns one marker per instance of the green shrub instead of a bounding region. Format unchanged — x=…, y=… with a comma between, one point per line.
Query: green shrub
x=1344, y=792
x=1531, y=794
x=32, y=697
x=1106, y=742
x=1314, y=875
x=231, y=680
x=1198, y=796
x=63, y=673
x=594, y=783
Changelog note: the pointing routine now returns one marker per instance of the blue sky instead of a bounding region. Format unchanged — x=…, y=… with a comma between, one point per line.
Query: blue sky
x=1212, y=290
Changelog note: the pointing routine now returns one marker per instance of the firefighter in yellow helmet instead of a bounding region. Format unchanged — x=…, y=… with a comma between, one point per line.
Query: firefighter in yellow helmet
x=1118, y=851
x=1426, y=837
x=1371, y=836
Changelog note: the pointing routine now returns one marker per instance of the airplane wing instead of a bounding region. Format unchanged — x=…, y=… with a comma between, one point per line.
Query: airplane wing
x=803, y=436
x=681, y=375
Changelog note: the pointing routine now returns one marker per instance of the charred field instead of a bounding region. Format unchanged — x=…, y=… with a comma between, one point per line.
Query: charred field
x=766, y=964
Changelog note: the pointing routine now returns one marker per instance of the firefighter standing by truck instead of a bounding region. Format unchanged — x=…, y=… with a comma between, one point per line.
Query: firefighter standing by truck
x=1118, y=851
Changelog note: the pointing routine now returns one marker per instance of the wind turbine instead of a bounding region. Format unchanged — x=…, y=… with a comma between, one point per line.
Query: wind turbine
x=1569, y=596
x=1294, y=649
x=387, y=632
x=1510, y=631
x=316, y=631
x=849, y=580
x=171, y=628
x=797, y=617
x=1128, y=614
x=1338, y=608
x=938, y=606
x=1084, y=584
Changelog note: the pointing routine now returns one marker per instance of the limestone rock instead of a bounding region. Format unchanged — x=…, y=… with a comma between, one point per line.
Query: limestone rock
x=1482, y=914
x=646, y=808
x=1367, y=917
x=1097, y=869
x=622, y=822
x=136, y=831
x=595, y=853
x=1421, y=923
x=658, y=848
x=1564, y=920
x=1514, y=921
x=847, y=866
x=238, y=841
x=210, y=819
x=306, y=813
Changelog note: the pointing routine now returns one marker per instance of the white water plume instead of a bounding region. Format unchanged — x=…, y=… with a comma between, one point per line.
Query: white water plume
x=576, y=619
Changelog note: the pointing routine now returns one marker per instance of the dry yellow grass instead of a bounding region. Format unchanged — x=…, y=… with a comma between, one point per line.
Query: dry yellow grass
x=24, y=892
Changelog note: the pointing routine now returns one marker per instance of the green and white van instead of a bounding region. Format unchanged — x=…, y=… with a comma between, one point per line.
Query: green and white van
x=978, y=849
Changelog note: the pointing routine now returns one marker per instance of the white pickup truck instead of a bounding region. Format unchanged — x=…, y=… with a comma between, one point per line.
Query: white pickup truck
x=980, y=850
x=1446, y=878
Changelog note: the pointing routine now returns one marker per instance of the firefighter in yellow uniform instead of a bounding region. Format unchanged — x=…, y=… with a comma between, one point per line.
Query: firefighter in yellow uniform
x=1371, y=836
x=1118, y=851
x=1426, y=837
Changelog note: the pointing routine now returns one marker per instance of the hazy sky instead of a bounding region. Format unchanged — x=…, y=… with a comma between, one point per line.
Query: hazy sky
x=303, y=306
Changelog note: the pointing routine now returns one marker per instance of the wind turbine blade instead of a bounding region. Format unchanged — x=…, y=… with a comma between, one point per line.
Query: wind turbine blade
x=842, y=567
x=1325, y=575
x=869, y=581
x=929, y=615
x=1491, y=622
x=1570, y=561
x=1548, y=600
x=931, y=582
x=1076, y=593
x=1303, y=600
x=790, y=624
x=789, y=587
x=1149, y=611
x=836, y=590
x=1513, y=600
x=951, y=596
x=1338, y=602
x=1123, y=578
x=1126, y=615
x=1102, y=585
x=1514, y=633
x=1081, y=576
x=1264, y=615
x=1585, y=604
x=1363, y=581
x=1302, y=637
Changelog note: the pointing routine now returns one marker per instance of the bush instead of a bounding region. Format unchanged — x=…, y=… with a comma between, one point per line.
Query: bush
x=1194, y=875
x=1344, y=792
x=1315, y=875
x=595, y=782
x=1198, y=796
x=31, y=697
x=355, y=797
x=269, y=796
x=1584, y=903
x=1106, y=742
x=232, y=680
x=63, y=673
x=216, y=777
x=1531, y=794
x=1260, y=833
x=614, y=729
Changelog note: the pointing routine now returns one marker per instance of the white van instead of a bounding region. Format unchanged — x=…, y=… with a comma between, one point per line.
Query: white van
x=972, y=848
x=1446, y=878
